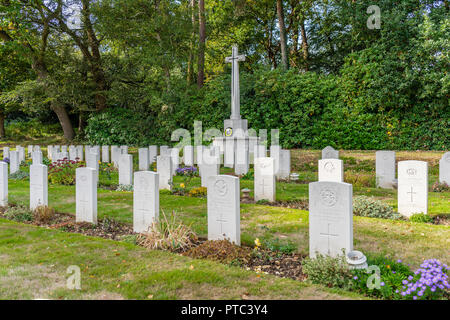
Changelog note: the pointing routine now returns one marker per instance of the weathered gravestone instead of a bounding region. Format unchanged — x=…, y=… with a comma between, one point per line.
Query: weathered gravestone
x=242, y=161
x=5, y=152
x=144, y=161
x=115, y=155
x=72, y=153
x=164, y=151
x=126, y=169
x=175, y=156
x=188, y=155
x=92, y=159
x=105, y=154
x=331, y=170
x=79, y=153
x=164, y=169
x=209, y=167
x=86, y=195
x=385, y=169
x=260, y=151
x=145, y=200
x=50, y=152
x=412, y=187
x=14, y=163
x=37, y=157
x=284, y=170
x=444, y=169
x=330, y=153
x=29, y=150
x=21, y=151
x=153, y=153
x=224, y=209
x=124, y=149
x=330, y=218
x=265, y=179
x=3, y=183
x=38, y=186
x=275, y=154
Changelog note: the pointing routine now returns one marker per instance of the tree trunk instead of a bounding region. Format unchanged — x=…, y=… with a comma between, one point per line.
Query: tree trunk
x=190, y=69
x=305, y=45
x=202, y=39
x=283, y=41
x=64, y=120
x=2, y=124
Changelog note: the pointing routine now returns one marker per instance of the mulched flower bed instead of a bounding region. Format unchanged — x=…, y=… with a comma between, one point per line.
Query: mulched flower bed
x=256, y=259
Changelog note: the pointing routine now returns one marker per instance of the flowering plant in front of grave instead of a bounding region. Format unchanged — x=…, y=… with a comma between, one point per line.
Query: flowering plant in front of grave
x=63, y=171
x=6, y=160
x=187, y=173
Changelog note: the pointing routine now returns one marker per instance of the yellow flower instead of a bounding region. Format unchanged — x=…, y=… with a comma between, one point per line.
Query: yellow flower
x=182, y=185
x=388, y=266
x=257, y=243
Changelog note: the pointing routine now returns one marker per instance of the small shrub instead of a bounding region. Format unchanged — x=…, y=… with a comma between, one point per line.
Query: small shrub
x=129, y=238
x=440, y=187
x=283, y=247
x=263, y=202
x=359, y=179
x=43, y=214
x=329, y=271
x=168, y=234
x=19, y=213
x=63, y=172
x=250, y=175
x=421, y=218
x=369, y=207
x=198, y=192
x=19, y=175
x=125, y=187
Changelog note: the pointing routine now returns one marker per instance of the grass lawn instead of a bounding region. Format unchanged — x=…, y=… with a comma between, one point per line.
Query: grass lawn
x=37, y=258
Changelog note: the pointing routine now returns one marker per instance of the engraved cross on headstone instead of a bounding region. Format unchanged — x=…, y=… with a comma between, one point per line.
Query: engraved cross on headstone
x=328, y=234
x=221, y=220
x=235, y=93
x=411, y=192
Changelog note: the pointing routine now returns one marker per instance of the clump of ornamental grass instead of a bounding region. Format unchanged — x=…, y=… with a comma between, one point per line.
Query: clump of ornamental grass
x=43, y=214
x=168, y=233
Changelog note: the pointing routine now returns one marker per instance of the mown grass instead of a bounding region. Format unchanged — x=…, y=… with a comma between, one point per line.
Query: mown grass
x=34, y=264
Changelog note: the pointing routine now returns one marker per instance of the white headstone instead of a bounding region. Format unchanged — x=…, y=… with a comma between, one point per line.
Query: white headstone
x=275, y=153
x=126, y=169
x=29, y=150
x=330, y=153
x=145, y=200
x=210, y=167
x=86, y=195
x=72, y=153
x=260, y=151
x=330, y=218
x=242, y=161
x=144, y=160
x=3, y=184
x=153, y=153
x=284, y=170
x=331, y=170
x=124, y=149
x=175, y=155
x=14, y=163
x=50, y=152
x=38, y=186
x=164, y=151
x=92, y=159
x=265, y=179
x=224, y=209
x=385, y=169
x=164, y=169
x=444, y=169
x=105, y=154
x=115, y=155
x=79, y=153
x=412, y=187
x=21, y=151
x=188, y=155
x=228, y=156
x=5, y=152
x=37, y=157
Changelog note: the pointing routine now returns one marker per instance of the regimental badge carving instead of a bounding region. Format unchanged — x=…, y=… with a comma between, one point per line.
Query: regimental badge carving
x=329, y=167
x=83, y=178
x=228, y=132
x=411, y=172
x=385, y=157
x=221, y=187
x=328, y=197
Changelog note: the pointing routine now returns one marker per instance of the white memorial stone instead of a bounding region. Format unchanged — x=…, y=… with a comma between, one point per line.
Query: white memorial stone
x=38, y=186
x=144, y=161
x=330, y=153
x=265, y=179
x=164, y=169
x=188, y=155
x=412, y=187
x=3, y=184
x=242, y=161
x=224, y=209
x=444, y=169
x=153, y=153
x=105, y=154
x=37, y=157
x=284, y=170
x=5, y=152
x=331, y=170
x=385, y=169
x=126, y=169
x=14, y=163
x=86, y=195
x=145, y=200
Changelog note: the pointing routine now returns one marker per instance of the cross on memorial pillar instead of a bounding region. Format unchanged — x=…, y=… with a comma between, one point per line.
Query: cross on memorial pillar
x=235, y=92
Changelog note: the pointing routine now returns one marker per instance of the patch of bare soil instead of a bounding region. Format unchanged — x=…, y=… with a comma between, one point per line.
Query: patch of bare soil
x=259, y=260
x=106, y=228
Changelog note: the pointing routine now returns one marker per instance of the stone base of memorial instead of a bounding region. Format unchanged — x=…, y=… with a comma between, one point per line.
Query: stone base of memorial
x=356, y=260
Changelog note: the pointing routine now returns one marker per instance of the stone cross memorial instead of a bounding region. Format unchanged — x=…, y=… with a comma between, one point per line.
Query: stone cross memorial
x=385, y=169
x=331, y=170
x=264, y=179
x=164, y=169
x=223, y=200
x=412, y=187
x=330, y=218
x=330, y=153
x=3, y=184
x=444, y=169
x=38, y=186
x=145, y=200
x=86, y=195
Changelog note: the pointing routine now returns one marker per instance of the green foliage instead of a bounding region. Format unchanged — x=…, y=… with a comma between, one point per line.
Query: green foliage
x=19, y=175
x=329, y=271
x=19, y=213
x=370, y=207
x=125, y=187
x=440, y=187
x=30, y=129
x=280, y=246
x=421, y=218
x=63, y=172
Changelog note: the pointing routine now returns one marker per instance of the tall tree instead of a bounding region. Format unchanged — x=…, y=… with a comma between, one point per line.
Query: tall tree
x=283, y=39
x=190, y=68
x=202, y=43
